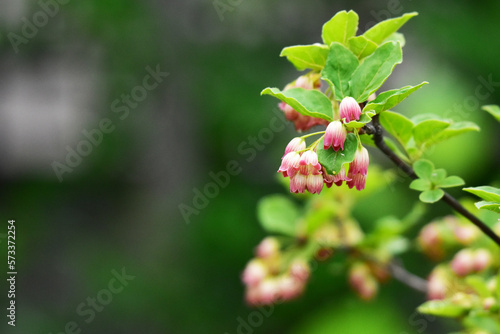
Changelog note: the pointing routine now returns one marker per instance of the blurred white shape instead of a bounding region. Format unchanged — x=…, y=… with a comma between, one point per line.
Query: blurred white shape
x=44, y=106
x=11, y=11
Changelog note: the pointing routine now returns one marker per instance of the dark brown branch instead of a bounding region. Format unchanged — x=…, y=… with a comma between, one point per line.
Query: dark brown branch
x=374, y=128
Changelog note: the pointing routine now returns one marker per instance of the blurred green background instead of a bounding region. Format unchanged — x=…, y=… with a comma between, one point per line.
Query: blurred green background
x=119, y=207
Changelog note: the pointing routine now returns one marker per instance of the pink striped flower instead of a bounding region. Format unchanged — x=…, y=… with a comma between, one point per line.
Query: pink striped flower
x=290, y=164
x=349, y=109
x=357, y=180
x=309, y=175
x=295, y=145
x=340, y=177
x=335, y=136
x=360, y=162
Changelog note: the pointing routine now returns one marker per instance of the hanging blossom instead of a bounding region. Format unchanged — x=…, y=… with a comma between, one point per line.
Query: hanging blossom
x=266, y=282
x=301, y=122
x=301, y=164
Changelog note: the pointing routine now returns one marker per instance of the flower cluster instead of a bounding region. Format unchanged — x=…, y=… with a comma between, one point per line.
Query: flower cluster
x=302, y=166
x=302, y=122
x=266, y=282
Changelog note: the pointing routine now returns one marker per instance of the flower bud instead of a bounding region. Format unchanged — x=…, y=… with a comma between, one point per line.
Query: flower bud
x=465, y=234
x=349, y=109
x=298, y=183
x=335, y=136
x=295, y=145
x=437, y=284
x=254, y=272
x=431, y=242
x=488, y=303
x=268, y=248
x=362, y=281
x=289, y=288
x=268, y=291
x=299, y=270
x=463, y=262
x=482, y=259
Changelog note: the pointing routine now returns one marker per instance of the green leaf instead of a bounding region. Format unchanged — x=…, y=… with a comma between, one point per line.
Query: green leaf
x=384, y=29
x=423, y=168
x=340, y=28
x=308, y=102
x=420, y=185
x=478, y=284
x=367, y=140
x=374, y=70
x=340, y=65
x=391, y=98
x=361, y=46
x=397, y=125
x=493, y=110
x=333, y=161
x=431, y=196
x=425, y=131
x=396, y=37
x=491, y=206
x=451, y=181
x=306, y=56
x=362, y=121
x=442, y=308
x=278, y=214
x=487, y=193
x=438, y=175
x=453, y=130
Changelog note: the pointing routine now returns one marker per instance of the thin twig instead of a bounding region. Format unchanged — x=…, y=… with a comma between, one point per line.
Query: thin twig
x=376, y=130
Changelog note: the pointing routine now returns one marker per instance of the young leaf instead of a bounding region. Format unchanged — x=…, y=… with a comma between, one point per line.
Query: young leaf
x=425, y=131
x=487, y=193
x=478, y=284
x=451, y=181
x=333, y=161
x=340, y=28
x=397, y=125
x=420, y=185
x=306, y=56
x=423, y=169
x=384, y=29
x=374, y=70
x=491, y=206
x=361, y=46
x=431, y=196
x=493, y=110
x=308, y=102
x=391, y=98
x=453, y=130
x=278, y=214
x=438, y=175
x=362, y=121
x=340, y=65
x=396, y=37
x=442, y=308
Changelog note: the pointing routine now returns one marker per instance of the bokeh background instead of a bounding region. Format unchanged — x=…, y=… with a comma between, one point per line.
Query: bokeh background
x=119, y=207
